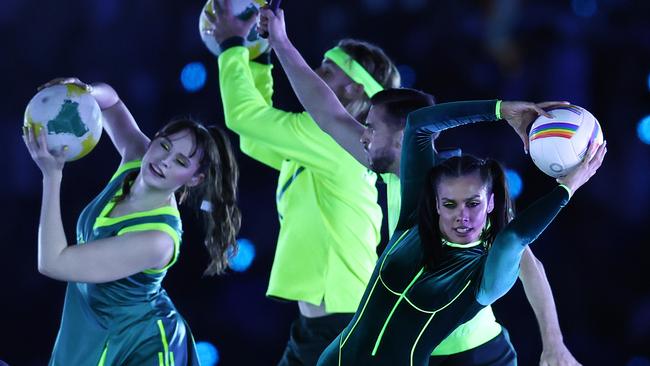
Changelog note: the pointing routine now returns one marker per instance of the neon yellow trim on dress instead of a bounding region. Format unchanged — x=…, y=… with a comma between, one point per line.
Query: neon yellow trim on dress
x=457, y=245
x=104, y=220
x=126, y=166
x=432, y=315
x=369, y=296
x=156, y=226
x=354, y=70
x=360, y=315
x=390, y=315
x=386, y=286
x=163, y=337
x=102, y=359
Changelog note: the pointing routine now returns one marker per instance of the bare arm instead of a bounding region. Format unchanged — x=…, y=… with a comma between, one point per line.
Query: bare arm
x=98, y=261
x=124, y=132
x=539, y=294
x=119, y=124
x=314, y=94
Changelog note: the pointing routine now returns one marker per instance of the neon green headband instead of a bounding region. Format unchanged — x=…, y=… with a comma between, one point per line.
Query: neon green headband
x=354, y=70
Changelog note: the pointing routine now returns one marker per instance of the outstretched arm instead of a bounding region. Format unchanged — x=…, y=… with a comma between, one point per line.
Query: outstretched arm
x=418, y=154
x=118, y=122
x=502, y=263
x=539, y=294
x=314, y=94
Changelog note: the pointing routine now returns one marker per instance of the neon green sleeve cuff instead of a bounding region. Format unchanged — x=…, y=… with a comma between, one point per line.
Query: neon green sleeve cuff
x=567, y=189
x=497, y=110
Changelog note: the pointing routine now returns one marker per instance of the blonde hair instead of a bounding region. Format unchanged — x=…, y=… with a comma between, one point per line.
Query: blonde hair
x=378, y=64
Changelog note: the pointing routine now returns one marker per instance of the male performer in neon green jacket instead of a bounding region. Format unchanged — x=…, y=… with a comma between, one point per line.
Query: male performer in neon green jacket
x=326, y=200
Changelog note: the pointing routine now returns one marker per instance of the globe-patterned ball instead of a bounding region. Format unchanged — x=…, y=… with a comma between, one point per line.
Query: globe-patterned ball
x=243, y=9
x=69, y=116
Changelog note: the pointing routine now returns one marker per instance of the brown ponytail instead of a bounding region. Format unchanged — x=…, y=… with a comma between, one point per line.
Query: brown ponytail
x=216, y=196
x=222, y=223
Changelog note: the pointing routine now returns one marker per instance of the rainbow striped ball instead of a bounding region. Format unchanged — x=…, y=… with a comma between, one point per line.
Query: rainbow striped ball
x=558, y=144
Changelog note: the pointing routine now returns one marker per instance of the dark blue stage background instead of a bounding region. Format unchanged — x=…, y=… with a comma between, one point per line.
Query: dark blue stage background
x=594, y=53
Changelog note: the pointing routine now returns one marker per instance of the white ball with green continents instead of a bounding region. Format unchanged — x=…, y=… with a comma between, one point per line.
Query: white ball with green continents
x=69, y=116
x=243, y=9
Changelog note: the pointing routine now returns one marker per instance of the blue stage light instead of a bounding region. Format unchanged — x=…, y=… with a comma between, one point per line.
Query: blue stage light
x=649, y=82
x=208, y=354
x=193, y=76
x=407, y=74
x=638, y=361
x=515, y=184
x=244, y=257
x=584, y=8
x=643, y=130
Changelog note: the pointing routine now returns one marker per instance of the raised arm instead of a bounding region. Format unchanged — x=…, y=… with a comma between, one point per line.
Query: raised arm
x=247, y=110
x=129, y=140
x=98, y=261
x=418, y=155
x=264, y=153
x=502, y=263
x=118, y=122
x=314, y=94
x=417, y=152
x=246, y=96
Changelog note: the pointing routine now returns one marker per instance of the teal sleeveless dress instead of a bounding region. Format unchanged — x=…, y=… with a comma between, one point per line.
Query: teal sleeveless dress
x=130, y=321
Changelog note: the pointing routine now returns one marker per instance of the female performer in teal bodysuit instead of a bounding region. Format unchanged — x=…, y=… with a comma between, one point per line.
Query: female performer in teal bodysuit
x=116, y=312
x=455, y=249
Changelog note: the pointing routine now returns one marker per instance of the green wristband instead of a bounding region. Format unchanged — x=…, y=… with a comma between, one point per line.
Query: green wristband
x=567, y=189
x=497, y=111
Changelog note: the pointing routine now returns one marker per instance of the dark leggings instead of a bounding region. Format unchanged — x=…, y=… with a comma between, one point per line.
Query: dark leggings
x=310, y=336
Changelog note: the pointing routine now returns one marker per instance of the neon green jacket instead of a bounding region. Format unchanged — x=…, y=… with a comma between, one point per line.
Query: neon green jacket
x=327, y=201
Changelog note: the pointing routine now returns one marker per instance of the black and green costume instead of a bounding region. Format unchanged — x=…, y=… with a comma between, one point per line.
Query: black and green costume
x=406, y=311
x=130, y=321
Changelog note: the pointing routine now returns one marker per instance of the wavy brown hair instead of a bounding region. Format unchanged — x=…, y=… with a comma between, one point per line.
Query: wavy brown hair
x=222, y=220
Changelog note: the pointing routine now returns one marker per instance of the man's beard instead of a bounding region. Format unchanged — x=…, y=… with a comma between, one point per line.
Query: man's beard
x=381, y=162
